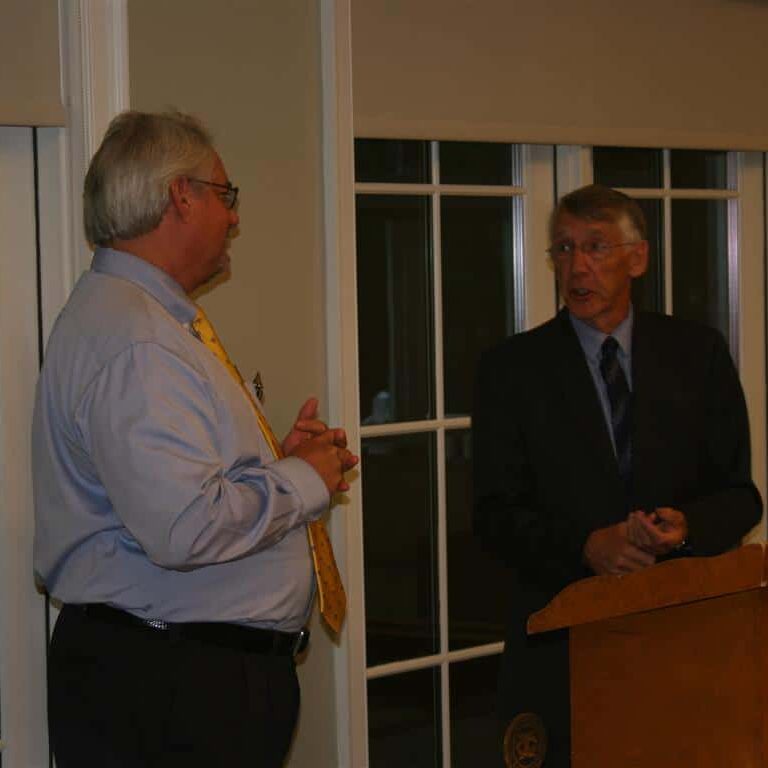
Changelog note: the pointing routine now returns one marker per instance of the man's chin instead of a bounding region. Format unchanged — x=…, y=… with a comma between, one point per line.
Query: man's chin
x=221, y=275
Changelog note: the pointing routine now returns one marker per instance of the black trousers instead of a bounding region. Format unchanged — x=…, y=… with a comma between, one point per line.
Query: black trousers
x=132, y=697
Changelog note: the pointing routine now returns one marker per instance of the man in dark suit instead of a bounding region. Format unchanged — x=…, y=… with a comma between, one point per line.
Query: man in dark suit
x=595, y=456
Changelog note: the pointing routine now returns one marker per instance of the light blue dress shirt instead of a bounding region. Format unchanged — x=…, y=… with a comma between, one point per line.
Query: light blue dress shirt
x=155, y=490
x=591, y=341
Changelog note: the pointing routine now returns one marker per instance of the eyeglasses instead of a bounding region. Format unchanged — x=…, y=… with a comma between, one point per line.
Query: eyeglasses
x=596, y=250
x=228, y=195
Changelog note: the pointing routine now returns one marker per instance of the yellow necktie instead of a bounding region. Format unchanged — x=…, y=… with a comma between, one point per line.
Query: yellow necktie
x=330, y=590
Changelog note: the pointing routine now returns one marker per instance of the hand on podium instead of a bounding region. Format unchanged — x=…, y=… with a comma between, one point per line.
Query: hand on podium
x=611, y=551
x=659, y=532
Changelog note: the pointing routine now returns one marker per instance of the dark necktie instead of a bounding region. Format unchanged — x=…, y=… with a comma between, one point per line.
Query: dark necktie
x=620, y=398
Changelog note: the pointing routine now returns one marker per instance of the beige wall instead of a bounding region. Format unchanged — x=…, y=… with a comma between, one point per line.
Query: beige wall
x=250, y=69
x=251, y=73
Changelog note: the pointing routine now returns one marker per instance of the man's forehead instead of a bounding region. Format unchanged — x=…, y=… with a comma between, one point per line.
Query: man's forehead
x=219, y=172
x=567, y=223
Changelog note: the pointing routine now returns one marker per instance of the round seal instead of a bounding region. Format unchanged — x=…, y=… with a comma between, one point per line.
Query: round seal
x=525, y=742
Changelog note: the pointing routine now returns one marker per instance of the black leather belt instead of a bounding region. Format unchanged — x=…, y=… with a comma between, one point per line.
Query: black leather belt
x=235, y=636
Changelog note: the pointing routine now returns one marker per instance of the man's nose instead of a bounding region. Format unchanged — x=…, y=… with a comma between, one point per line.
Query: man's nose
x=579, y=259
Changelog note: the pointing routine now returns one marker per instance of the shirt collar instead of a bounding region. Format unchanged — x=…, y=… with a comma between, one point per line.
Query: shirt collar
x=591, y=339
x=160, y=285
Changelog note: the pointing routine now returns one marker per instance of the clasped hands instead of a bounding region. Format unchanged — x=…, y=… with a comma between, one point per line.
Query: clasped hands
x=636, y=542
x=323, y=448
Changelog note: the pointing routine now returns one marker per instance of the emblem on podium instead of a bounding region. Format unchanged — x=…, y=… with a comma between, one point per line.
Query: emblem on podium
x=525, y=742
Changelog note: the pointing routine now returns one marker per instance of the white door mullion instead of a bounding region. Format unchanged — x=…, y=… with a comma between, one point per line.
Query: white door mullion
x=442, y=566
x=437, y=284
x=442, y=591
x=574, y=167
x=536, y=274
x=428, y=662
x=413, y=427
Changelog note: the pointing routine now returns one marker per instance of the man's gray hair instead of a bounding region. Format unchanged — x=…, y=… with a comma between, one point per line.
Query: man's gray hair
x=126, y=187
x=598, y=203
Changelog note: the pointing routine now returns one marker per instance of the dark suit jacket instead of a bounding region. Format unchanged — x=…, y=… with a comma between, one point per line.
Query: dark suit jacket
x=546, y=475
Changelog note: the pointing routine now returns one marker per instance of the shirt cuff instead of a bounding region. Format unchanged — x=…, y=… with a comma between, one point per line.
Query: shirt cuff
x=308, y=484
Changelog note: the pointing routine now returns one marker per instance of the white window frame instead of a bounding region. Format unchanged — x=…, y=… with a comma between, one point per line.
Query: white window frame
x=534, y=303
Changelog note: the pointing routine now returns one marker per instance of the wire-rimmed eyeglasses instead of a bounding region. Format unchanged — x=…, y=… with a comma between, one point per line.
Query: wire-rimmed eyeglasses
x=596, y=250
x=228, y=194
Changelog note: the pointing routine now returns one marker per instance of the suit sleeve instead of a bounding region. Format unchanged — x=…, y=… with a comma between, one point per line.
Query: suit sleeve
x=544, y=548
x=730, y=504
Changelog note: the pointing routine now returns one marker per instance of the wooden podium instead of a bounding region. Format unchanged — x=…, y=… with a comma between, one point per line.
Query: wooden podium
x=669, y=666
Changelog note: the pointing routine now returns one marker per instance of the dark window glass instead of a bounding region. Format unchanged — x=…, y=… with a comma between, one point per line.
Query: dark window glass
x=393, y=162
x=478, y=288
x=475, y=162
x=699, y=169
x=476, y=595
x=700, y=261
x=394, y=294
x=648, y=290
x=622, y=167
x=399, y=535
x=404, y=720
x=475, y=738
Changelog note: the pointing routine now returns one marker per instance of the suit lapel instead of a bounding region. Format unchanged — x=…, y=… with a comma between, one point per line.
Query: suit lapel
x=645, y=380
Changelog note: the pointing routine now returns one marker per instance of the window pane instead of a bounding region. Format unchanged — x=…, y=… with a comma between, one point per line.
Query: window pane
x=400, y=539
x=389, y=161
x=475, y=597
x=475, y=737
x=622, y=167
x=404, y=720
x=698, y=169
x=478, y=288
x=394, y=294
x=700, y=261
x=475, y=162
x=648, y=290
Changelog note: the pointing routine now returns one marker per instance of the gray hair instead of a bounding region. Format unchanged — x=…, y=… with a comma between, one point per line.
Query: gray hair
x=126, y=187
x=598, y=203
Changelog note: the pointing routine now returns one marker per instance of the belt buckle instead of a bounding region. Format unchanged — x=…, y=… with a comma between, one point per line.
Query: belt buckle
x=301, y=641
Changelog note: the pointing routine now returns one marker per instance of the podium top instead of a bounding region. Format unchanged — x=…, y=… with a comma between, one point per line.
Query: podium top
x=673, y=582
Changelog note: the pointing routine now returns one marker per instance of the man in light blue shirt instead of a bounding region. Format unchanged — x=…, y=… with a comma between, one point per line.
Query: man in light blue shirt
x=175, y=541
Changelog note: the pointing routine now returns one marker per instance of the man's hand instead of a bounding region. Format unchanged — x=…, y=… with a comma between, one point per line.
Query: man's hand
x=657, y=532
x=609, y=551
x=327, y=454
x=307, y=425
x=325, y=449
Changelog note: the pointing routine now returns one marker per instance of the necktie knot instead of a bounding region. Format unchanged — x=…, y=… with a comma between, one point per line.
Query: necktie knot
x=609, y=349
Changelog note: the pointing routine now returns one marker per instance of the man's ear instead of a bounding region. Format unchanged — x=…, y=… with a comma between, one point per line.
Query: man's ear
x=638, y=259
x=180, y=193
